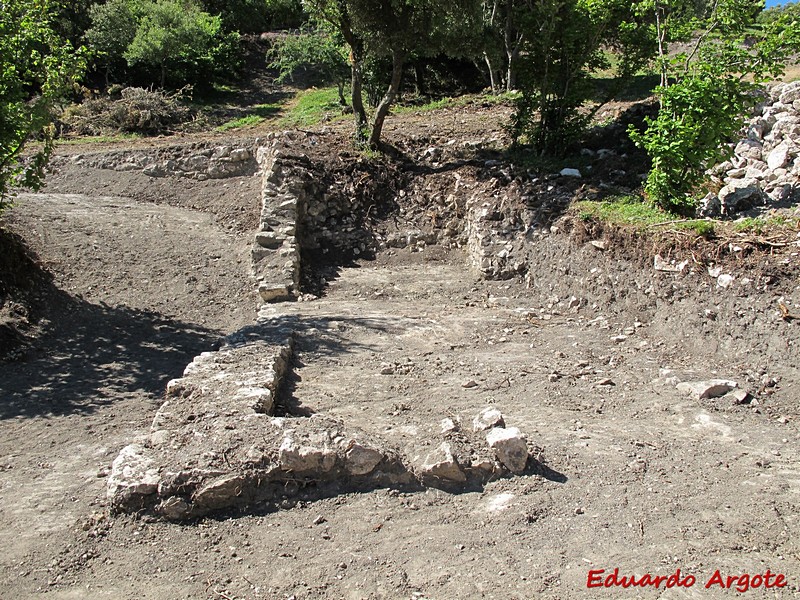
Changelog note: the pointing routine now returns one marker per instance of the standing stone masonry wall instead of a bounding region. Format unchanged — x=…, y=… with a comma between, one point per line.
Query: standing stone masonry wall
x=200, y=161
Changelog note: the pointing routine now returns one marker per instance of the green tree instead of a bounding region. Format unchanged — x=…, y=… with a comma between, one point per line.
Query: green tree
x=113, y=28
x=177, y=37
x=391, y=30
x=502, y=40
x=254, y=16
x=706, y=92
x=316, y=52
x=562, y=43
x=37, y=68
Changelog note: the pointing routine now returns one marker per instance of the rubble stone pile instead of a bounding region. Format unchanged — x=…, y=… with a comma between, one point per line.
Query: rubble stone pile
x=765, y=167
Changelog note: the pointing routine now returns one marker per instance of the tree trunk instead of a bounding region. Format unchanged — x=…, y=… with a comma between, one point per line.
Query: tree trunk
x=386, y=102
x=512, y=41
x=511, y=75
x=356, y=78
x=358, y=102
x=492, y=79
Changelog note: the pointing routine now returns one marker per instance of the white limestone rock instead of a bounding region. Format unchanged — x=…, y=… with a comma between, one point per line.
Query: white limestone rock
x=510, y=448
x=441, y=464
x=488, y=418
x=133, y=473
x=360, y=459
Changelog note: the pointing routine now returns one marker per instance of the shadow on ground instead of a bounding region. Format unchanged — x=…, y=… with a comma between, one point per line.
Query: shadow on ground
x=89, y=354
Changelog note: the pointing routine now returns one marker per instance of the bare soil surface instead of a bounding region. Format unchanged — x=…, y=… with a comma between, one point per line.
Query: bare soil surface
x=633, y=475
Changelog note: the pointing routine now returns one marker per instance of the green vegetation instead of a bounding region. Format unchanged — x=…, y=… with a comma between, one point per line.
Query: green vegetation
x=631, y=211
x=383, y=36
x=255, y=16
x=167, y=40
x=260, y=113
x=705, y=93
x=624, y=210
x=37, y=68
x=561, y=45
x=317, y=54
x=311, y=107
x=761, y=225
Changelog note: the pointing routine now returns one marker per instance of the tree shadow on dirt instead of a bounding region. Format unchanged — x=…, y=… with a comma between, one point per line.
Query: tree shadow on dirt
x=90, y=355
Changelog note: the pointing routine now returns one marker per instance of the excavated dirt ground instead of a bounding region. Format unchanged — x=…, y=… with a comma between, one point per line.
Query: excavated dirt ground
x=636, y=477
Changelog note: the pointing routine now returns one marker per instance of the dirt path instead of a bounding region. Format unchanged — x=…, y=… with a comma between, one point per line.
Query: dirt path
x=138, y=290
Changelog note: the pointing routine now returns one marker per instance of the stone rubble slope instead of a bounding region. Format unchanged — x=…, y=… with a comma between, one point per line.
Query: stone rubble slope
x=765, y=167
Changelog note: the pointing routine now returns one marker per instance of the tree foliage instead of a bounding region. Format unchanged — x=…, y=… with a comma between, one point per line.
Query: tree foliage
x=254, y=16
x=37, y=68
x=171, y=41
x=113, y=27
x=389, y=30
x=317, y=53
x=562, y=42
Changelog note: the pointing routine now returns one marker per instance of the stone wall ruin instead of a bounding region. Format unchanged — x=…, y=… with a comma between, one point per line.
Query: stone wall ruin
x=215, y=444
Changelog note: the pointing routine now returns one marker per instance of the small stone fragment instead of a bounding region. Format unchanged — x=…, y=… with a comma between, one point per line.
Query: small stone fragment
x=703, y=390
x=487, y=419
x=448, y=425
x=470, y=384
x=724, y=280
x=442, y=464
x=510, y=447
x=740, y=397
x=174, y=508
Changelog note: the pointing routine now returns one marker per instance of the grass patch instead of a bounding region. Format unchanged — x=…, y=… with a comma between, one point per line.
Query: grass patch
x=258, y=114
x=400, y=109
x=761, y=225
x=624, y=210
x=466, y=99
x=313, y=106
x=98, y=139
x=632, y=211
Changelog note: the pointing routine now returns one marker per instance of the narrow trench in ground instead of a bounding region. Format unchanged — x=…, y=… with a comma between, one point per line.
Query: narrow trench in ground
x=287, y=404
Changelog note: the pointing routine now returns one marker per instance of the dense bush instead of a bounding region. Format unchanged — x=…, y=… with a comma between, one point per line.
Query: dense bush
x=256, y=16
x=316, y=55
x=37, y=68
